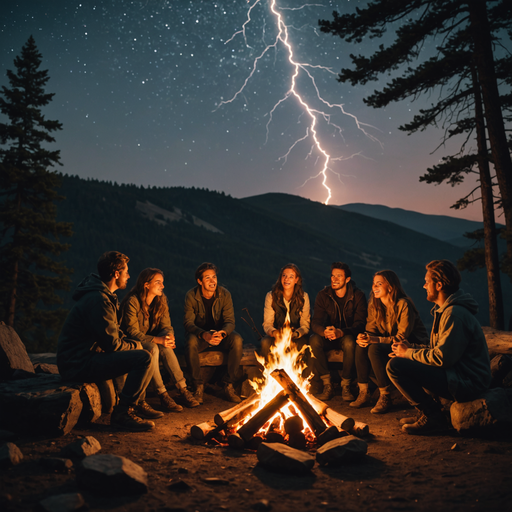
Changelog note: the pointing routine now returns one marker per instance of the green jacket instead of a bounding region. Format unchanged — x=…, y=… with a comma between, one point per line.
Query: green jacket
x=408, y=323
x=140, y=328
x=222, y=311
x=458, y=344
x=91, y=326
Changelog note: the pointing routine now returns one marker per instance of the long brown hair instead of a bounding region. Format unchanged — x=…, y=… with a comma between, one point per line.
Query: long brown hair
x=397, y=293
x=158, y=305
x=298, y=292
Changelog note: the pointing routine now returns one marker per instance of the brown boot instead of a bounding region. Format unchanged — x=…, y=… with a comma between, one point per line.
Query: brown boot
x=187, y=398
x=168, y=404
x=124, y=418
x=363, y=398
x=144, y=410
x=198, y=393
x=231, y=396
x=383, y=404
x=327, y=393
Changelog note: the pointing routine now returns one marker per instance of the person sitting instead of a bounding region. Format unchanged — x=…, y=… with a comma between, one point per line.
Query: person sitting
x=93, y=348
x=455, y=365
x=286, y=301
x=145, y=318
x=209, y=322
x=339, y=316
x=391, y=313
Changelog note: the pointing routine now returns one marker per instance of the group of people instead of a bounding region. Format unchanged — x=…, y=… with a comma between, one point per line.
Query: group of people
x=103, y=340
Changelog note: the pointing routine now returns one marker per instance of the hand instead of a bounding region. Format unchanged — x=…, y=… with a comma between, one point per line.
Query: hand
x=216, y=338
x=274, y=333
x=399, y=349
x=207, y=336
x=169, y=341
x=363, y=339
x=295, y=335
x=330, y=333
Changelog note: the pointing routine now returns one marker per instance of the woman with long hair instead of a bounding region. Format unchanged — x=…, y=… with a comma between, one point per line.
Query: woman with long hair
x=391, y=315
x=145, y=318
x=287, y=299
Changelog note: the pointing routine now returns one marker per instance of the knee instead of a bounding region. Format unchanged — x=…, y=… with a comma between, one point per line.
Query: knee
x=348, y=344
x=316, y=342
x=237, y=341
x=192, y=343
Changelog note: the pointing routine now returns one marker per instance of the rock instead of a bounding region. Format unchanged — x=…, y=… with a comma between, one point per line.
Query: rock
x=46, y=368
x=44, y=358
x=56, y=464
x=262, y=505
x=111, y=474
x=62, y=503
x=13, y=354
x=339, y=451
x=284, y=458
x=10, y=455
x=501, y=365
x=179, y=486
x=42, y=404
x=91, y=401
x=108, y=396
x=81, y=448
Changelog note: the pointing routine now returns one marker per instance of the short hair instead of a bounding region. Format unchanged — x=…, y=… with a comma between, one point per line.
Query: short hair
x=203, y=268
x=446, y=273
x=342, y=266
x=111, y=262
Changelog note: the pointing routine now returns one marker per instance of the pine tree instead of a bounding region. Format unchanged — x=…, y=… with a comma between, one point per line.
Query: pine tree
x=30, y=234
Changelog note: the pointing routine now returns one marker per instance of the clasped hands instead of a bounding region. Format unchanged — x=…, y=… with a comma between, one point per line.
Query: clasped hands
x=331, y=333
x=213, y=338
x=167, y=341
x=399, y=347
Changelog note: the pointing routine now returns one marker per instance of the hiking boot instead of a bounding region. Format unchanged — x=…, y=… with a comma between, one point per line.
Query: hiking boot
x=188, y=398
x=346, y=395
x=124, y=418
x=198, y=394
x=383, y=404
x=168, y=404
x=435, y=422
x=231, y=396
x=327, y=393
x=363, y=398
x=144, y=410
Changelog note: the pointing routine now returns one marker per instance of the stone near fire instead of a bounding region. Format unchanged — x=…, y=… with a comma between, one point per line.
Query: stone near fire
x=280, y=457
x=56, y=464
x=13, y=354
x=111, y=474
x=10, y=455
x=81, y=448
x=62, y=503
x=492, y=408
x=342, y=450
x=46, y=368
x=108, y=395
x=91, y=400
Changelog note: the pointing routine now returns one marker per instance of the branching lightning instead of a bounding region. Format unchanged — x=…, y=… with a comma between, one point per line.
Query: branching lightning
x=298, y=68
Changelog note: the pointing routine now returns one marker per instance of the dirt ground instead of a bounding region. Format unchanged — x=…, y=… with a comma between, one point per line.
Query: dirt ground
x=400, y=472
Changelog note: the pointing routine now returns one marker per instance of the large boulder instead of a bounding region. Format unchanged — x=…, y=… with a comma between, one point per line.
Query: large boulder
x=283, y=458
x=13, y=354
x=340, y=451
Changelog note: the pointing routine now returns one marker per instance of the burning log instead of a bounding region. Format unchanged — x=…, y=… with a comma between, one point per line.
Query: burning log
x=337, y=419
x=247, y=431
x=314, y=421
x=200, y=431
x=238, y=411
x=361, y=429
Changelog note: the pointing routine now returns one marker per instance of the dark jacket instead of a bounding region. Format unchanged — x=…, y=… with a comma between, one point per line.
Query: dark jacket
x=222, y=311
x=327, y=312
x=91, y=326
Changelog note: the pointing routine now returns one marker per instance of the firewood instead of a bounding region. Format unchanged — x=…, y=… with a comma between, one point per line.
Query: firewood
x=336, y=418
x=200, y=431
x=293, y=424
x=361, y=429
x=312, y=418
x=224, y=416
x=236, y=442
x=262, y=416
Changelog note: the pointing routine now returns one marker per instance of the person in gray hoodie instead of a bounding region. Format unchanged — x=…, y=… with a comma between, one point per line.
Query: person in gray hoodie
x=456, y=364
x=92, y=347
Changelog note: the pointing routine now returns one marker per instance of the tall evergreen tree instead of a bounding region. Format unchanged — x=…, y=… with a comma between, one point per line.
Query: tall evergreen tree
x=30, y=234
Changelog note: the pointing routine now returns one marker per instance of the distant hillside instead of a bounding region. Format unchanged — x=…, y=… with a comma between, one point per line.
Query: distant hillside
x=442, y=227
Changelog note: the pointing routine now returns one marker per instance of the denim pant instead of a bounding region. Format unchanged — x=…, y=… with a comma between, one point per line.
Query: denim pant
x=376, y=354
x=321, y=345
x=136, y=364
x=232, y=344
x=412, y=378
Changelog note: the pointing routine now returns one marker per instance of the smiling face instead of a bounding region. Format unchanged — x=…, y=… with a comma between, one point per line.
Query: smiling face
x=155, y=287
x=381, y=288
x=208, y=283
x=288, y=280
x=338, y=280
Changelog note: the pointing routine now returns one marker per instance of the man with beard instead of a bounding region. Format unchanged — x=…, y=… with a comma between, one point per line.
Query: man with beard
x=338, y=317
x=92, y=347
x=455, y=366
x=210, y=324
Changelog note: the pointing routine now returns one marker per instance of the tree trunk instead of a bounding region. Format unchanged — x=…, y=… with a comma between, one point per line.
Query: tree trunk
x=492, y=264
x=484, y=60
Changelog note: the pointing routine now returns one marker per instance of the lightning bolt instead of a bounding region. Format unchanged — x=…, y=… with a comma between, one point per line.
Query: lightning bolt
x=298, y=69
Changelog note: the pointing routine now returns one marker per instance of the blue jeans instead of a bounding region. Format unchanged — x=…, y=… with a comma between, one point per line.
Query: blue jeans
x=232, y=344
x=321, y=345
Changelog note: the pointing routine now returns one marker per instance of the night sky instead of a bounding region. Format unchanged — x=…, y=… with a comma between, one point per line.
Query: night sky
x=139, y=88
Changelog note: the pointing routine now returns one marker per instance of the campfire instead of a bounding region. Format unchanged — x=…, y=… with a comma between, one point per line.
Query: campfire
x=281, y=408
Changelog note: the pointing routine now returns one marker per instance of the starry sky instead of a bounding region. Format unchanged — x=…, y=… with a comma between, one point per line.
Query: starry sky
x=152, y=92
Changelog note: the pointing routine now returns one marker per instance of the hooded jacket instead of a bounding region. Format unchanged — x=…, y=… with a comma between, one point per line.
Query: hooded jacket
x=327, y=312
x=91, y=326
x=458, y=344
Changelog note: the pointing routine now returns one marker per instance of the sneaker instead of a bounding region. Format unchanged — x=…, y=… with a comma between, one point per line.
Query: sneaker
x=431, y=424
x=327, y=393
x=188, y=398
x=346, y=395
x=124, y=418
x=168, y=404
x=231, y=396
x=144, y=410
x=198, y=394
x=362, y=399
x=383, y=404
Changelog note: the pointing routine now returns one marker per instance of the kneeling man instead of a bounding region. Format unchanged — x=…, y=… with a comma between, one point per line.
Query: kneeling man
x=455, y=366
